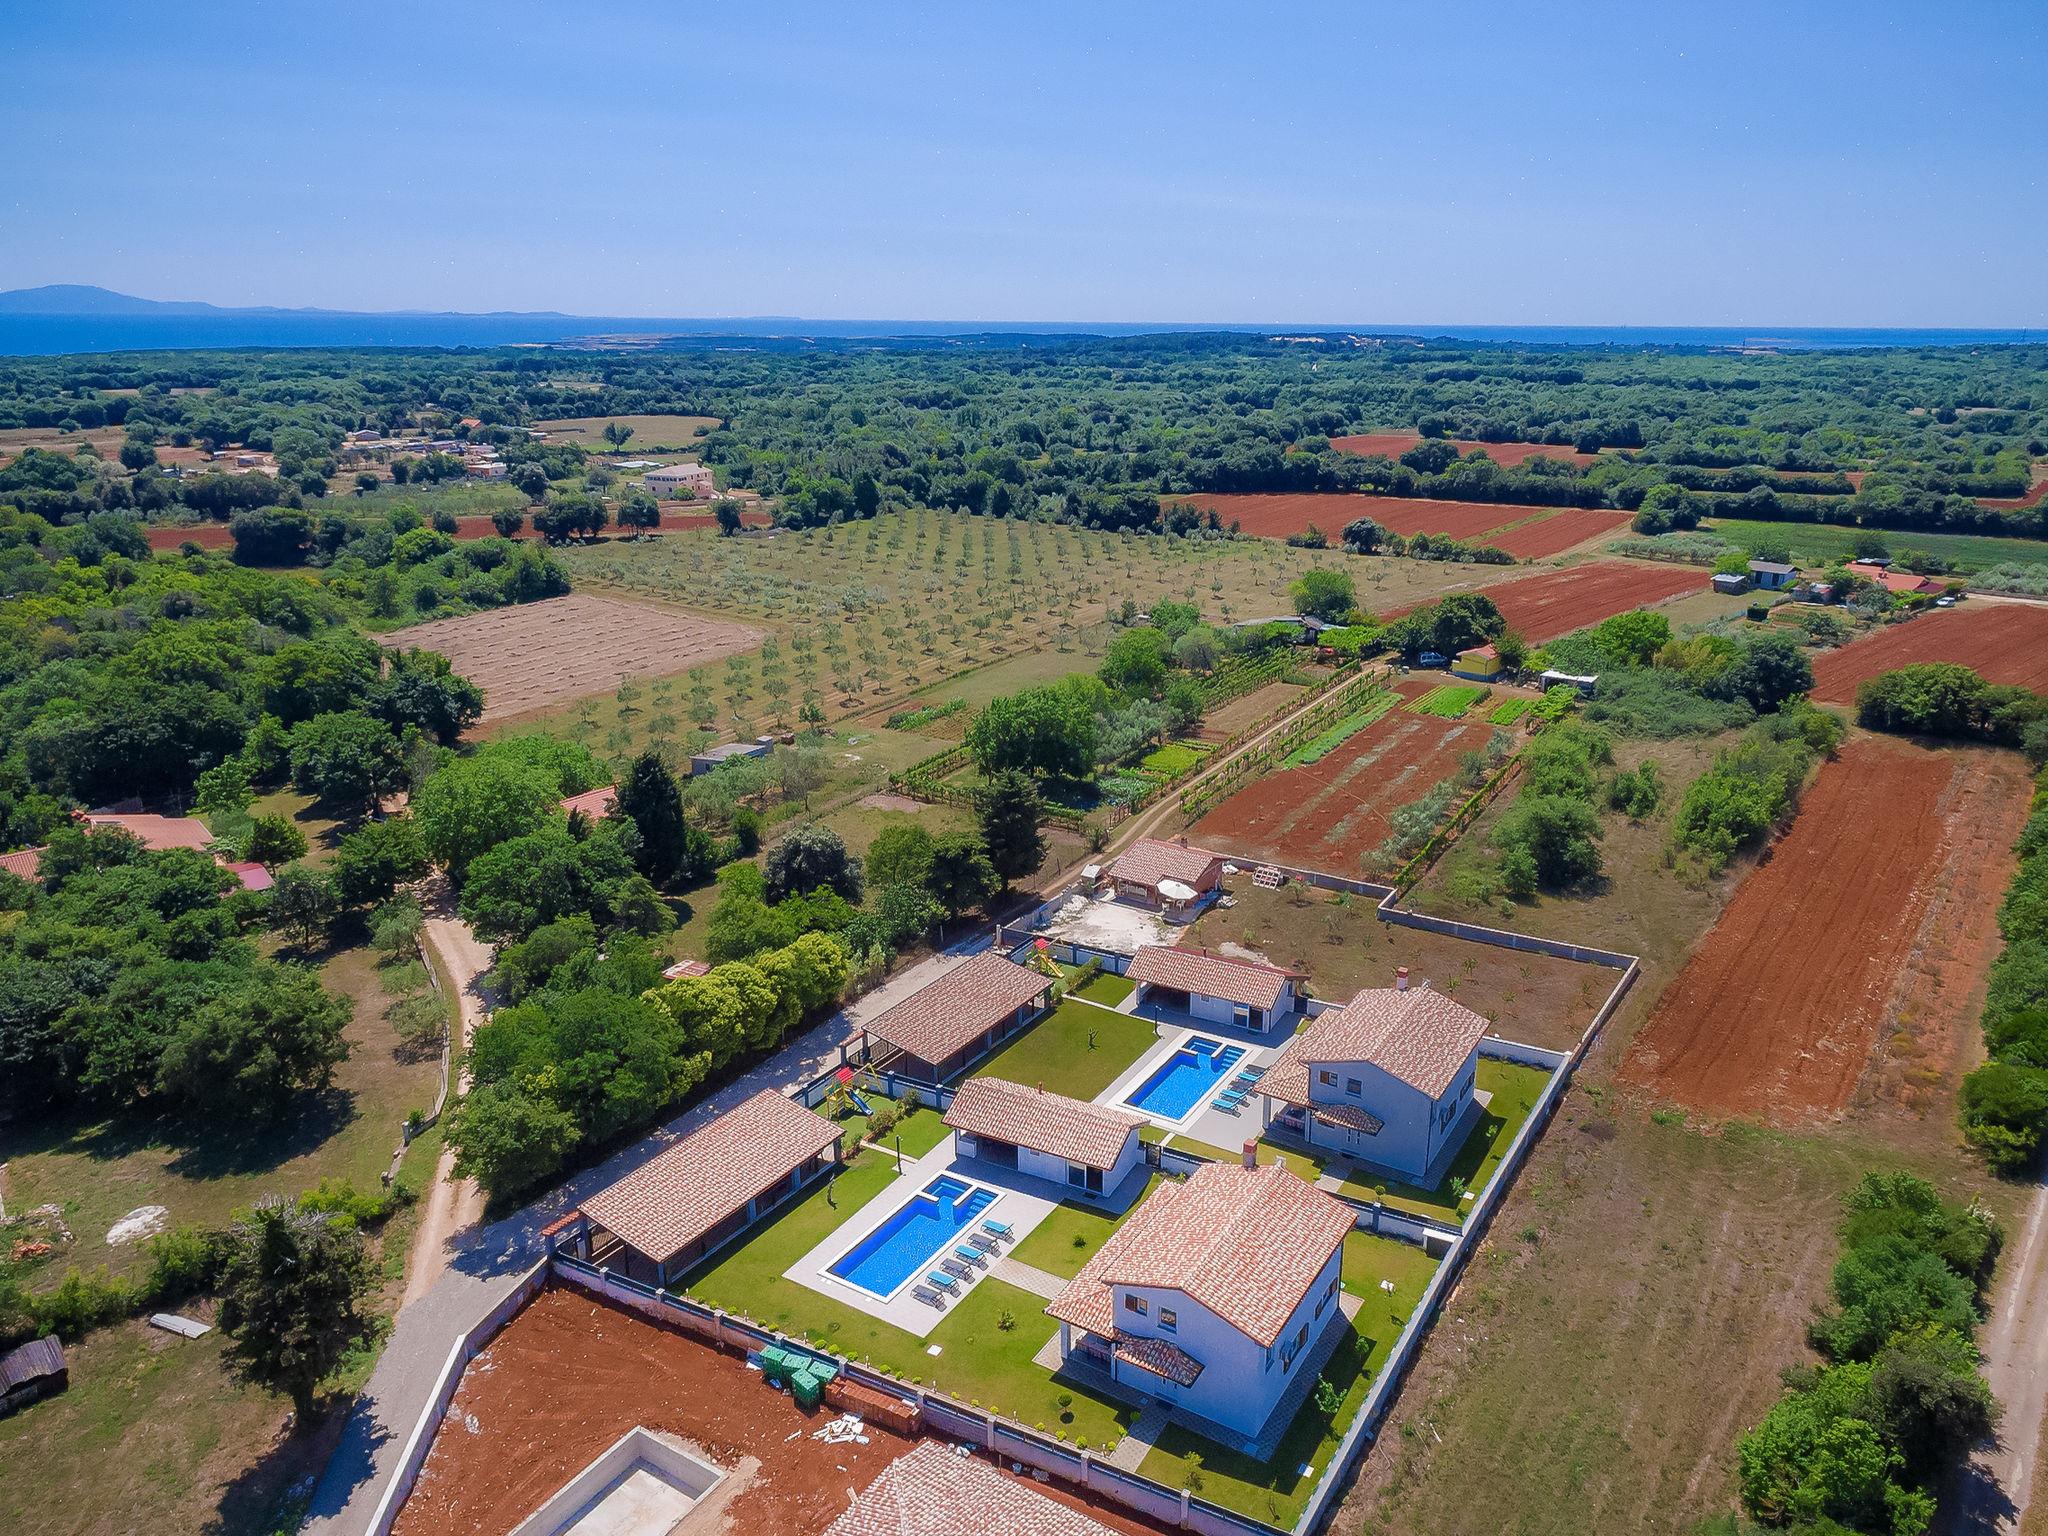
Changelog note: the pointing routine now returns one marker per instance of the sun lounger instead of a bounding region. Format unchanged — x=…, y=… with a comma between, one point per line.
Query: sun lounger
x=995, y=1228
x=983, y=1243
x=942, y=1280
x=928, y=1296
x=1232, y=1100
x=956, y=1269
x=968, y=1255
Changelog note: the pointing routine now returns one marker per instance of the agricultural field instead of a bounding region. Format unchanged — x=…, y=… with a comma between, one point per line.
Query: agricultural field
x=1330, y=814
x=1829, y=543
x=1449, y=701
x=651, y=434
x=2003, y=642
x=537, y=654
x=1392, y=445
x=1542, y=607
x=1526, y=532
x=1875, y=908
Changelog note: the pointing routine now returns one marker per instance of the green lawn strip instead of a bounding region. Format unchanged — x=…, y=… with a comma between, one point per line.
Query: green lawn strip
x=1318, y=747
x=1108, y=989
x=918, y=1134
x=1307, y=1167
x=1825, y=543
x=1070, y=1236
x=1174, y=757
x=1078, y=1049
x=980, y=1360
x=1515, y=1089
x=1447, y=702
x=1275, y=1491
x=1510, y=712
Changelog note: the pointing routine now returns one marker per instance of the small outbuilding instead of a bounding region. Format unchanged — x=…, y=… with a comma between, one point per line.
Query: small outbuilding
x=1481, y=664
x=943, y=1028
x=1216, y=988
x=1174, y=877
x=1772, y=575
x=30, y=1371
x=725, y=752
x=1730, y=583
x=1089, y=1149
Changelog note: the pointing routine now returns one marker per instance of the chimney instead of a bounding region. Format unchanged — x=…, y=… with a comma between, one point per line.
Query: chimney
x=1180, y=839
x=1251, y=1153
x=1401, y=979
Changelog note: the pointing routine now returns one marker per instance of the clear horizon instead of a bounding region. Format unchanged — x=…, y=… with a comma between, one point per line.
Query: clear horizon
x=1830, y=169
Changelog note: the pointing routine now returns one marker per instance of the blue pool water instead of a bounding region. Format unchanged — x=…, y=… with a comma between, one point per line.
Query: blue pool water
x=1185, y=1078
x=915, y=1237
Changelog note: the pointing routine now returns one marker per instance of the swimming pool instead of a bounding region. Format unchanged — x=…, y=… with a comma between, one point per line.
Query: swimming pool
x=1186, y=1078
x=914, y=1237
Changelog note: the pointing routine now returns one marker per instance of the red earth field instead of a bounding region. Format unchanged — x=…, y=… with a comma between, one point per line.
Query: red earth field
x=2035, y=493
x=1542, y=607
x=1330, y=814
x=2002, y=642
x=1873, y=912
x=1531, y=532
x=1507, y=455
x=205, y=535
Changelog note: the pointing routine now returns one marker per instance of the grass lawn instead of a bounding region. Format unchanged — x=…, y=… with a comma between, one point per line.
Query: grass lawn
x=1515, y=1089
x=99, y=1169
x=1276, y=1491
x=1308, y=1167
x=980, y=1360
x=1078, y=1049
x=919, y=1133
x=1107, y=988
x=859, y=825
x=1825, y=543
x=323, y=832
x=1174, y=757
x=1071, y=1236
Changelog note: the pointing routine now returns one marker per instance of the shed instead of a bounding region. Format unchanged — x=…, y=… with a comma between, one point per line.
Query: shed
x=32, y=1370
x=1772, y=575
x=1585, y=683
x=1481, y=664
x=725, y=752
x=1729, y=584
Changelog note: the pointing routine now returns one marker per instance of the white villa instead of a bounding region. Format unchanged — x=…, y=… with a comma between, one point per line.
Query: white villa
x=1217, y=988
x=1388, y=1080
x=673, y=479
x=1211, y=1292
x=1089, y=1149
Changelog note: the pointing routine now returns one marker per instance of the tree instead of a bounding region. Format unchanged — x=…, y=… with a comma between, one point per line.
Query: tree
x=616, y=433
x=507, y=1140
x=727, y=512
x=640, y=512
x=475, y=803
x=274, y=840
x=1173, y=619
x=531, y=481
x=1364, y=536
x=348, y=760
x=900, y=855
x=811, y=857
x=293, y=1287
x=1050, y=730
x=1548, y=840
x=303, y=902
x=1772, y=671
x=1135, y=663
x=1321, y=594
x=376, y=859
x=508, y=523
x=251, y=1052
x=421, y=688
x=961, y=877
x=1008, y=809
x=671, y=851
x=1198, y=649
x=1632, y=638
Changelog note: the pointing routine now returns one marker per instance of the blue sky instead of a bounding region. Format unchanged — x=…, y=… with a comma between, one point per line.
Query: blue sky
x=1853, y=163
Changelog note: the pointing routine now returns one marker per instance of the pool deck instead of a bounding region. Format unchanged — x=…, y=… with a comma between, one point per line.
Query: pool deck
x=1021, y=1200
x=1206, y=1123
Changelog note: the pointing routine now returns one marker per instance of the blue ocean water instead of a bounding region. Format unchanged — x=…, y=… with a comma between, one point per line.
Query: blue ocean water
x=48, y=335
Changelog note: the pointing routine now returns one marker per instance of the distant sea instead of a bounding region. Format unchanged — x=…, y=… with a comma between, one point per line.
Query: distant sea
x=48, y=335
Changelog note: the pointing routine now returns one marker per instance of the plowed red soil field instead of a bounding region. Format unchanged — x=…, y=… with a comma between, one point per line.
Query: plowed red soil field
x=1873, y=911
x=1557, y=532
x=1507, y=455
x=1541, y=608
x=1330, y=814
x=2003, y=642
x=205, y=535
x=2035, y=493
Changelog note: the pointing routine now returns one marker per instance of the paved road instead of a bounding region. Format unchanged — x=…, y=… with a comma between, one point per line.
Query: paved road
x=1992, y=1496
x=478, y=1264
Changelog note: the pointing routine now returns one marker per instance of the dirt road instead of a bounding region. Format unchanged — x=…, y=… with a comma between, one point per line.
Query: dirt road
x=451, y=1204
x=1993, y=1495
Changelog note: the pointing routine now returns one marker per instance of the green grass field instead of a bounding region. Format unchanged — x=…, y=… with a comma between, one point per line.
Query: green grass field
x=1510, y=712
x=1826, y=543
x=1174, y=757
x=1078, y=1049
x=1071, y=1236
x=1448, y=702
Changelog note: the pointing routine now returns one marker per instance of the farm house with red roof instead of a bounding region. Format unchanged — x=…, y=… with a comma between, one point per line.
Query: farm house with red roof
x=1389, y=1079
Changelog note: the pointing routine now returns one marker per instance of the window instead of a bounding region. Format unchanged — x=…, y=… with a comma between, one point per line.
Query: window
x=1293, y=1348
x=1088, y=1179
x=1137, y=1304
x=1353, y=1087
x=1327, y=1079
x=1169, y=1320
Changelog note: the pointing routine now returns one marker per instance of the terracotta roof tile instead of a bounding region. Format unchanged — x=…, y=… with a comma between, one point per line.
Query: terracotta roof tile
x=932, y=1491
x=1092, y=1135
x=24, y=863
x=157, y=832
x=959, y=1007
x=1196, y=970
x=594, y=803
x=1421, y=1037
x=667, y=1203
x=1158, y=1357
x=1151, y=860
x=1246, y=1243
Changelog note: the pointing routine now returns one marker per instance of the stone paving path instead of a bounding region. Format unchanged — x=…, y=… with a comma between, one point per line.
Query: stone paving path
x=1144, y=1432
x=1028, y=1277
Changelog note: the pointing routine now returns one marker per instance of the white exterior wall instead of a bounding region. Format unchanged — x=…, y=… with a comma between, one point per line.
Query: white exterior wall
x=1413, y=1128
x=1053, y=1169
x=1241, y=1380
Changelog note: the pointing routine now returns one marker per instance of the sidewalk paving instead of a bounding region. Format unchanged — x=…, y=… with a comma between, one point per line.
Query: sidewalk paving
x=484, y=1263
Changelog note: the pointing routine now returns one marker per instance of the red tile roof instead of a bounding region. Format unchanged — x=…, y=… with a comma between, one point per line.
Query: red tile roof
x=1092, y=1135
x=934, y=1491
x=1196, y=970
x=158, y=832
x=686, y=968
x=667, y=1203
x=254, y=877
x=594, y=803
x=1158, y=1357
x=24, y=863
x=1246, y=1243
x=1151, y=860
x=958, y=1008
x=1894, y=580
x=1421, y=1037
